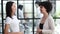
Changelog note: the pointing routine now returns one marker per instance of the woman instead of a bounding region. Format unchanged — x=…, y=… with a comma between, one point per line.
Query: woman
x=12, y=22
x=46, y=26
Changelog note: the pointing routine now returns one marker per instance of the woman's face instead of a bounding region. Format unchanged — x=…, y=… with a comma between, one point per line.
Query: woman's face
x=13, y=8
x=43, y=10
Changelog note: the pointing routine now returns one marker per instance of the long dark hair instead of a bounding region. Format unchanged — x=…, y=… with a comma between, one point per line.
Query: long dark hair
x=9, y=9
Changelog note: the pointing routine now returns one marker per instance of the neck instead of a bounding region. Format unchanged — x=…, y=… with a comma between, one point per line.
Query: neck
x=12, y=14
x=45, y=15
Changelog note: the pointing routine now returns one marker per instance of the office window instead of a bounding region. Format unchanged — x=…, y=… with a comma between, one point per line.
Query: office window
x=26, y=24
x=0, y=19
x=57, y=17
x=26, y=9
x=57, y=9
x=25, y=14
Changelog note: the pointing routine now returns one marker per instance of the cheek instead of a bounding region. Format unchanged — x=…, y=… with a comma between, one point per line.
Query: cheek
x=13, y=9
x=41, y=9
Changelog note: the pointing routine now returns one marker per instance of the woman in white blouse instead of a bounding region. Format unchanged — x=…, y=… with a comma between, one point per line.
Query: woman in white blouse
x=46, y=26
x=11, y=22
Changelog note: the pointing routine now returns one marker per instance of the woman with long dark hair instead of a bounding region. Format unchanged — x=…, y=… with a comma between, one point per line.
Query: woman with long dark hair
x=11, y=22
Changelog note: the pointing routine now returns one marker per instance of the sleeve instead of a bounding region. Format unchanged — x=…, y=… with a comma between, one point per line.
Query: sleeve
x=8, y=20
x=38, y=22
x=51, y=27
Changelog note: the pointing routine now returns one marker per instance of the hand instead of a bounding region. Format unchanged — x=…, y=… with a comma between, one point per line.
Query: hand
x=15, y=32
x=39, y=31
x=20, y=33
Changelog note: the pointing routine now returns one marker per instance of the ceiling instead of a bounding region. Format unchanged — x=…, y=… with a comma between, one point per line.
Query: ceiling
x=24, y=0
x=28, y=0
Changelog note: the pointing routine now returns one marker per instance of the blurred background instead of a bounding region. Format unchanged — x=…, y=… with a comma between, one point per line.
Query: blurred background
x=27, y=10
x=0, y=19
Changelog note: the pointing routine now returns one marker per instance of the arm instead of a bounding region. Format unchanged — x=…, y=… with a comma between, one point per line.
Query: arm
x=6, y=30
x=39, y=31
x=47, y=31
x=7, y=26
x=15, y=33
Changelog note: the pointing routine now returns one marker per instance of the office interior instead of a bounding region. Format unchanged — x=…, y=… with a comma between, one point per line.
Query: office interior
x=28, y=19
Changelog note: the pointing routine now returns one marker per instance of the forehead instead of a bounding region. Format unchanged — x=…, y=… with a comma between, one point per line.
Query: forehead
x=14, y=3
x=41, y=6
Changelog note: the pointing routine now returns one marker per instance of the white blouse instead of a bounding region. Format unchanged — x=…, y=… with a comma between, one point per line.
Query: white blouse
x=48, y=27
x=14, y=23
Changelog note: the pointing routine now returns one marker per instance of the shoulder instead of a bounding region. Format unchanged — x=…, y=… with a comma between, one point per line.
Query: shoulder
x=50, y=17
x=8, y=20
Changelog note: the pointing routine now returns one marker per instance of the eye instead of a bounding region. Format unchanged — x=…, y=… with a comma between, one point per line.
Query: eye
x=40, y=6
